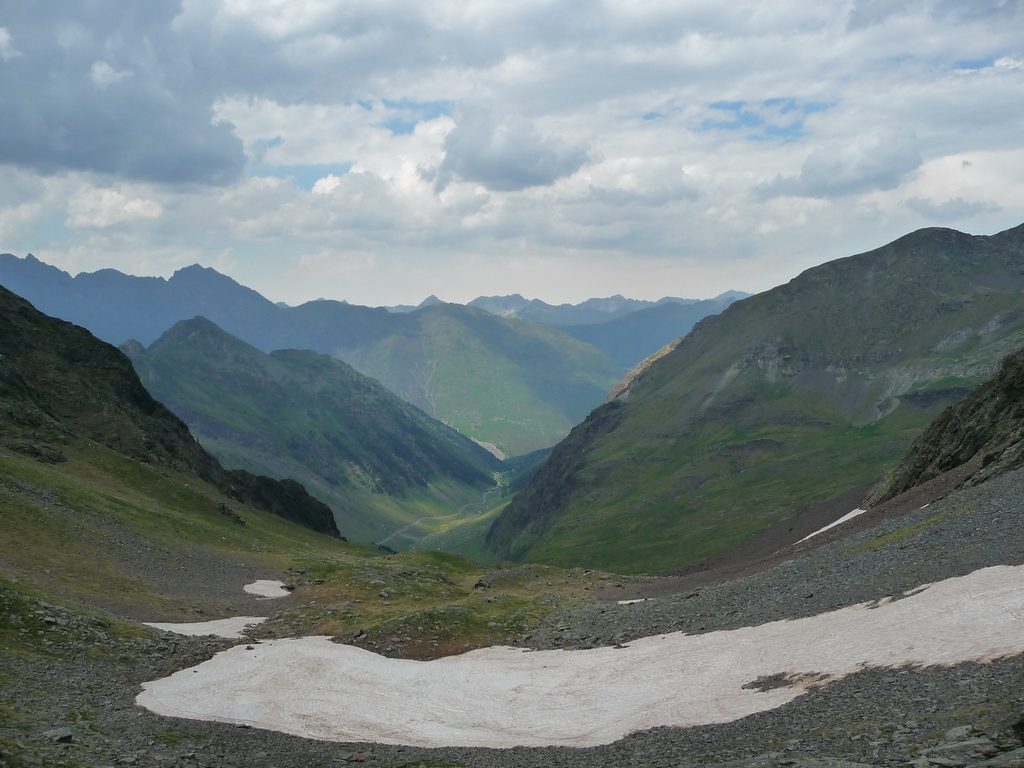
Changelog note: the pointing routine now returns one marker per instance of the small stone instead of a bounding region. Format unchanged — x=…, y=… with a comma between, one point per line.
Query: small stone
x=482, y=584
x=1014, y=759
x=60, y=735
x=959, y=733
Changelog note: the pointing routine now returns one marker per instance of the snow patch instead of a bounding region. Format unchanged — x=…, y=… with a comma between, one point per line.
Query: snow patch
x=267, y=588
x=229, y=628
x=502, y=697
x=840, y=521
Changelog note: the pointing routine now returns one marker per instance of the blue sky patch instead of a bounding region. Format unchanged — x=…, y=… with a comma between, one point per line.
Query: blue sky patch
x=975, y=63
x=773, y=119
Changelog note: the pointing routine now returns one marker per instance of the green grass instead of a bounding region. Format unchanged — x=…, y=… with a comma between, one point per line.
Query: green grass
x=519, y=385
x=378, y=462
x=785, y=399
x=106, y=535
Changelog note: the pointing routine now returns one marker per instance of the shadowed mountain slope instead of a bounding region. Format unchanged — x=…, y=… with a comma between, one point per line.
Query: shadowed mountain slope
x=60, y=384
x=785, y=399
x=516, y=384
x=311, y=417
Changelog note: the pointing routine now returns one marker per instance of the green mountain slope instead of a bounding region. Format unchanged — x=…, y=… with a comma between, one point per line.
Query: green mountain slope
x=513, y=383
x=786, y=398
x=518, y=385
x=60, y=385
x=374, y=458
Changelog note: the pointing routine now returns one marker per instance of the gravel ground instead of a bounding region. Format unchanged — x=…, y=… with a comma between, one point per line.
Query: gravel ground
x=90, y=676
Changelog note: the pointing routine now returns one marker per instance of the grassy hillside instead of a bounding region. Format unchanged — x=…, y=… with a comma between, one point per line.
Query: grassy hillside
x=378, y=461
x=518, y=385
x=60, y=384
x=784, y=399
x=513, y=383
x=109, y=506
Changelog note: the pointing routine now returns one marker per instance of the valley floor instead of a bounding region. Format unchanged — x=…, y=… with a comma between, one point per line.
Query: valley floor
x=83, y=676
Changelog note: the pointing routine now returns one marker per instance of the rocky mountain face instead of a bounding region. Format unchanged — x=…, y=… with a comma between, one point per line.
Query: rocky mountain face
x=506, y=381
x=308, y=416
x=784, y=399
x=988, y=423
x=60, y=383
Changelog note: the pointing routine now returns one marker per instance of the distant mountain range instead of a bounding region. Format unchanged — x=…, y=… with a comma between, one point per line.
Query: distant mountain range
x=589, y=312
x=784, y=399
x=631, y=338
x=517, y=385
x=378, y=461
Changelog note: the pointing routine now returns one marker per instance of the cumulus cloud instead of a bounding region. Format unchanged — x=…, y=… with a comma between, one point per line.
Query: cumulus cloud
x=865, y=13
x=737, y=143
x=870, y=162
x=156, y=124
x=103, y=75
x=951, y=210
x=7, y=49
x=978, y=9
x=101, y=208
x=505, y=155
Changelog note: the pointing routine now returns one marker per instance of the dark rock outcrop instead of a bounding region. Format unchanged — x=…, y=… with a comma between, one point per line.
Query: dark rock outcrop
x=989, y=421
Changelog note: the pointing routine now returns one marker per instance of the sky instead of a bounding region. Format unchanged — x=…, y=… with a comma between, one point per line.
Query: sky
x=379, y=151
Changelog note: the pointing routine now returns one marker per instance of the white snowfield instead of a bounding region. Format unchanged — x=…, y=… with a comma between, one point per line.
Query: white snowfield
x=267, y=588
x=229, y=628
x=848, y=516
x=503, y=697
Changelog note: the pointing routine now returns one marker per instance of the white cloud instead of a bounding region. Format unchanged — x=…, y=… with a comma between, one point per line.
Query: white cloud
x=869, y=162
x=326, y=185
x=101, y=208
x=7, y=49
x=538, y=147
x=103, y=75
x=949, y=211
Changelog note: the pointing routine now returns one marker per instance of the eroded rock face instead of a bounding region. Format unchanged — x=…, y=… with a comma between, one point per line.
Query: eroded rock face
x=989, y=422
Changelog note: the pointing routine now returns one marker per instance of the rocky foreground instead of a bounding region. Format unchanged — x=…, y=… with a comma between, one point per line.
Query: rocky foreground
x=67, y=696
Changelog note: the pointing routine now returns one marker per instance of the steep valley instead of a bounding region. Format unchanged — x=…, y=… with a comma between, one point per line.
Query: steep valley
x=108, y=521
x=514, y=383
x=377, y=461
